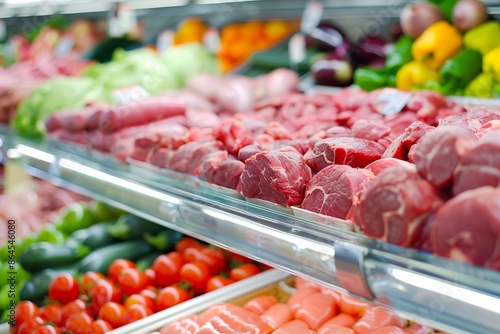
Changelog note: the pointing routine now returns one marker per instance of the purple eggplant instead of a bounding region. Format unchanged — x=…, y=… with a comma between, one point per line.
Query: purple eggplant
x=326, y=37
x=332, y=70
x=369, y=49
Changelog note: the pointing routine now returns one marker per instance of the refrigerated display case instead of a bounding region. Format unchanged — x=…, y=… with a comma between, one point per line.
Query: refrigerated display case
x=448, y=295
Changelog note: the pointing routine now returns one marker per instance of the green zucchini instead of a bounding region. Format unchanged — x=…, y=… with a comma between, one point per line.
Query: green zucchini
x=100, y=259
x=129, y=227
x=36, y=288
x=44, y=255
x=94, y=236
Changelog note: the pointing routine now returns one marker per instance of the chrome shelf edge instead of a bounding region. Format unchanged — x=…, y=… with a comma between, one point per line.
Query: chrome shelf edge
x=447, y=295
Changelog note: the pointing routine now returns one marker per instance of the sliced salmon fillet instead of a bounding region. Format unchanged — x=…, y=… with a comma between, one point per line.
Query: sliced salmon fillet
x=294, y=327
x=388, y=330
x=342, y=319
x=375, y=318
x=317, y=309
x=261, y=304
x=334, y=329
x=352, y=306
x=302, y=283
x=277, y=315
x=187, y=325
x=333, y=293
x=295, y=301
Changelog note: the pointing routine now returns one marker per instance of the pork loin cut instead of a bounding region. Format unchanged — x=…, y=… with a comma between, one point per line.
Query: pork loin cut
x=460, y=120
x=439, y=152
x=160, y=157
x=354, y=152
x=189, y=156
x=396, y=205
x=467, y=228
x=228, y=173
x=378, y=166
x=370, y=129
x=400, y=147
x=331, y=192
x=481, y=166
x=248, y=151
x=275, y=176
x=233, y=135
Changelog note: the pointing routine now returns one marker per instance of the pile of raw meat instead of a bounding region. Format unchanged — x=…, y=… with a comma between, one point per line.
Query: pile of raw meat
x=32, y=210
x=425, y=176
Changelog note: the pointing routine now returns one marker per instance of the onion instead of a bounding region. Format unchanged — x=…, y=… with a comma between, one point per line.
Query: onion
x=415, y=18
x=468, y=14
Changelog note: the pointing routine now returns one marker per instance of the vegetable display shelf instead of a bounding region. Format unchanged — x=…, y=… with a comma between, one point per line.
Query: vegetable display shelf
x=448, y=295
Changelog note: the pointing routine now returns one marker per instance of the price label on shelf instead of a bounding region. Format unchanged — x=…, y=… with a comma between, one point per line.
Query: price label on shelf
x=311, y=17
x=130, y=94
x=392, y=101
x=297, y=49
x=165, y=40
x=211, y=40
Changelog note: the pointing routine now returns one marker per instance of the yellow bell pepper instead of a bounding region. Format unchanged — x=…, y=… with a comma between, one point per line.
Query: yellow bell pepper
x=437, y=44
x=415, y=74
x=491, y=63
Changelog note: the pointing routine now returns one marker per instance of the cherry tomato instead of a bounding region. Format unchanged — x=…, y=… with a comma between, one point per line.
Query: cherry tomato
x=171, y=296
x=136, y=312
x=150, y=274
x=103, y=292
x=149, y=292
x=78, y=323
x=116, y=267
x=192, y=253
x=132, y=281
x=197, y=273
x=64, y=288
x=141, y=300
x=99, y=327
x=244, y=271
x=47, y=329
x=28, y=326
x=216, y=282
x=113, y=313
x=26, y=310
x=185, y=243
x=239, y=258
x=53, y=314
x=215, y=259
x=73, y=307
x=89, y=279
x=166, y=268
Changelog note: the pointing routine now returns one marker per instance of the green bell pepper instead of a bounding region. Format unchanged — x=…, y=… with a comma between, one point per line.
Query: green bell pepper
x=371, y=78
x=400, y=55
x=103, y=212
x=481, y=86
x=76, y=217
x=446, y=7
x=51, y=234
x=457, y=72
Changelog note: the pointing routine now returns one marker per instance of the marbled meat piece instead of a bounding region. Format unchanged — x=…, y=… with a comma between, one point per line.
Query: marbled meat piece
x=487, y=127
x=378, y=166
x=233, y=135
x=189, y=156
x=400, y=147
x=275, y=176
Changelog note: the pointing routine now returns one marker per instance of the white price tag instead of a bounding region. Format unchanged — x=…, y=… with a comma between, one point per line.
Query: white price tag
x=311, y=17
x=297, y=48
x=211, y=40
x=130, y=94
x=64, y=47
x=165, y=40
x=392, y=101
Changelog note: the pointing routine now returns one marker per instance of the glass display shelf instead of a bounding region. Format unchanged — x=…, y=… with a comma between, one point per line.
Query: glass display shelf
x=451, y=296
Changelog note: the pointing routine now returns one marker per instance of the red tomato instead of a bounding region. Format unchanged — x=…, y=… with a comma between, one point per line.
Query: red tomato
x=244, y=271
x=116, y=267
x=239, y=258
x=197, y=273
x=215, y=259
x=64, y=288
x=28, y=326
x=166, y=268
x=132, y=281
x=149, y=292
x=53, y=314
x=89, y=279
x=73, y=307
x=26, y=310
x=113, y=313
x=216, y=282
x=103, y=292
x=136, y=312
x=141, y=300
x=47, y=329
x=78, y=323
x=171, y=296
x=99, y=327
x=185, y=243
x=150, y=274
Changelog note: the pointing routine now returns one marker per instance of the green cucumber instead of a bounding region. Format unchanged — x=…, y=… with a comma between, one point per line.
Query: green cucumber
x=44, y=255
x=94, y=236
x=129, y=227
x=100, y=259
x=36, y=288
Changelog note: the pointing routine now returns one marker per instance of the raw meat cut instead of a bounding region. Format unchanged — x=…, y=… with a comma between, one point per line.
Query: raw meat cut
x=396, y=205
x=481, y=166
x=221, y=169
x=372, y=130
x=487, y=127
x=467, y=228
x=354, y=152
x=332, y=191
x=460, y=120
x=80, y=137
x=70, y=120
x=400, y=147
x=160, y=157
x=140, y=113
x=233, y=135
x=439, y=152
x=275, y=176
x=378, y=166
x=189, y=156
x=399, y=122
x=426, y=105
x=248, y=151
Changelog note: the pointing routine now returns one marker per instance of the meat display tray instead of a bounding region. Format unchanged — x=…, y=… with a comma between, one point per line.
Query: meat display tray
x=448, y=295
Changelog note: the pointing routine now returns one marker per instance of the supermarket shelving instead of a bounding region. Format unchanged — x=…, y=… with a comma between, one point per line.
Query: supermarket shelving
x=451, y=296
